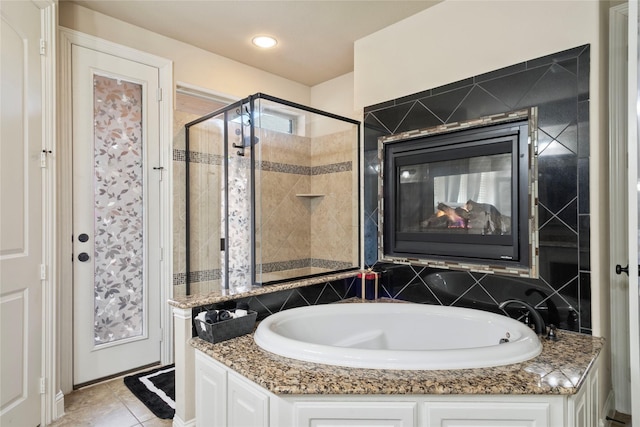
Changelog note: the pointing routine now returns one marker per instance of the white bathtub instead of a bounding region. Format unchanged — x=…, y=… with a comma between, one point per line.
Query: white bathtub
x=397, y=336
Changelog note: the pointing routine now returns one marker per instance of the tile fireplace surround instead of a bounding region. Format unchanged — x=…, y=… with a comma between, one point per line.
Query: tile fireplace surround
x=558, y=85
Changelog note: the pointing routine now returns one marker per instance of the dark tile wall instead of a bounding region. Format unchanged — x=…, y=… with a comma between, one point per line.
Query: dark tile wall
x=558, y=85
x=266, y=304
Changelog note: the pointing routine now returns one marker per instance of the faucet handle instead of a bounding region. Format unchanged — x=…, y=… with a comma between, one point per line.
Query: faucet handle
x=527, y=319
x=552, y=335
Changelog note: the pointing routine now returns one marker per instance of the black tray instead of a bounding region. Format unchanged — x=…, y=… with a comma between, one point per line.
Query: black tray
x=226, y=329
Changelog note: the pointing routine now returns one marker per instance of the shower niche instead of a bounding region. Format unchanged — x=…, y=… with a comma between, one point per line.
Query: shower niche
x=272, y=192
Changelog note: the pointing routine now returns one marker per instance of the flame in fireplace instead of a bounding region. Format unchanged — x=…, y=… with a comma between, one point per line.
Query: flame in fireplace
x=455, y=217
x=481, y=216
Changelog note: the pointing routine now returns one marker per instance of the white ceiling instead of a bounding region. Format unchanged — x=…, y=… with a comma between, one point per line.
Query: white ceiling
x=315, y=38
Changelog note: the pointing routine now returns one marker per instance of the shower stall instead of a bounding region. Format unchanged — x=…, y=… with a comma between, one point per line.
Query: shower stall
x=272, y=194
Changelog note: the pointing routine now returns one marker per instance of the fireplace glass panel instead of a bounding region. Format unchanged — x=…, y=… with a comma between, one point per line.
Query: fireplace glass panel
x=459, y=196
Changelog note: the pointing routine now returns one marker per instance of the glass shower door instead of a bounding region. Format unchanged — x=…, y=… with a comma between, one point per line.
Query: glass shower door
x=205, y=176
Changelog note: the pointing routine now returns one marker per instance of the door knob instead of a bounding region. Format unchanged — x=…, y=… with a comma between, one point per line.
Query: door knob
x=83, y=257
x=83, y=237
x=620, y=269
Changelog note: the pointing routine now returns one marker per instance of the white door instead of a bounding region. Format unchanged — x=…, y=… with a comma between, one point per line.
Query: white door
x=116, y=227
x=21, y=216
x=634, y=205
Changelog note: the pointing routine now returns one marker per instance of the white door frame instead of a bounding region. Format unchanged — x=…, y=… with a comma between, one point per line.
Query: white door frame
x=67, y=39
x=623, y=158
x=633, y=120
x=618, y=163
x=52, y=401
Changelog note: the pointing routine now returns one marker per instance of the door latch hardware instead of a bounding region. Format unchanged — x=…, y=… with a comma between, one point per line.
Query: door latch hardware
x=620, y=269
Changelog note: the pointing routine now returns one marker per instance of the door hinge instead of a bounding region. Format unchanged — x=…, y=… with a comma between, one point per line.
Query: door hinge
x=161, y=334
x=43, y=385
x=43, y=272
x=161, y=253
x=43, y=158
x=159, y=169
x=43, y=47
x=159, y=94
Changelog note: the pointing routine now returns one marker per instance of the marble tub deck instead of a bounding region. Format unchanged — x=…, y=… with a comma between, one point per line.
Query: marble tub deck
x=560, y=369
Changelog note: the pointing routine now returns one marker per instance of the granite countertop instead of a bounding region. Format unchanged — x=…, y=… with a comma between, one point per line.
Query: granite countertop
x=560, y=370
x=193, y=301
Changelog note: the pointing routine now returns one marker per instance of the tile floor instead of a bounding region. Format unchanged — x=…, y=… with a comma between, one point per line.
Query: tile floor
x=619, y=420
x=107, y=404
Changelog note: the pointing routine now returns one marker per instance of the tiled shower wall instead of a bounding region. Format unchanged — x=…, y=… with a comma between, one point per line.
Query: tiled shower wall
x=334, y=222
x=558, y=85
x=300, y=233
x=307, y=196
x=283, y=238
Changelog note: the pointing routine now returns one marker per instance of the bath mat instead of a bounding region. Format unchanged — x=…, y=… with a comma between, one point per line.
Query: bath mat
x=156, y=389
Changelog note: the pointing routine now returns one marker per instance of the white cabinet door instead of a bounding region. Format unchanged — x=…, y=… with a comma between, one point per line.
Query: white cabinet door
x=247, y=405
x=355, y=414
x=211, y=392
x=594, y=397
x=578, y=416
x=489, y=414
x=584, y=406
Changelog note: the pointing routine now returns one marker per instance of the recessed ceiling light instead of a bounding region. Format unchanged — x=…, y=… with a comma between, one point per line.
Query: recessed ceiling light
x=264, y=42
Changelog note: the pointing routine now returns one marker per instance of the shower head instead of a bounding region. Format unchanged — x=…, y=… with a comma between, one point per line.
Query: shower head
x=246, y=141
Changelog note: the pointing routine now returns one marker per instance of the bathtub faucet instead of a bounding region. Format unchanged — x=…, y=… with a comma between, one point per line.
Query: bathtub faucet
x=538, y=321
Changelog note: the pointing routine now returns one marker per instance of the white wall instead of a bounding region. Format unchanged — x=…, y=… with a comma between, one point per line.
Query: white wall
x=191, y=65
x=336, y=96
x=459, y=39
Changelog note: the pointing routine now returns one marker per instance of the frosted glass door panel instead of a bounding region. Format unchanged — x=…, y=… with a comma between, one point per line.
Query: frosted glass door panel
x=239, y=200
x=119, y=226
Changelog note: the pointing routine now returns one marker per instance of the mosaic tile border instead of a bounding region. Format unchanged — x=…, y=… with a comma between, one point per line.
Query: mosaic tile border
x=332, y=168
x=197, y=157
x=306, y=170
x=197, y=276
x=179, y=279
x=273, y=267
x=266, y=166
x=329, y=264
x=205, y=275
